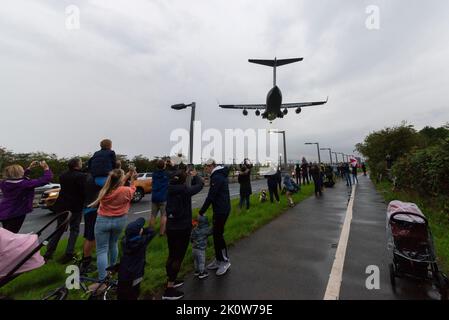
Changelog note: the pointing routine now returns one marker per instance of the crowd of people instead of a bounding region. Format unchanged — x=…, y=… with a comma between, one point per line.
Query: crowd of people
x=100, y=192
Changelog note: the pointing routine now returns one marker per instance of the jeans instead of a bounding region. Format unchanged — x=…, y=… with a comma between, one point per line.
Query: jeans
x=244, y=199
x=74, y=224
x=178, y=242
x=221, y=251
x=199, y=260
x=354, y=179
x=107, y=232
x=348, y=180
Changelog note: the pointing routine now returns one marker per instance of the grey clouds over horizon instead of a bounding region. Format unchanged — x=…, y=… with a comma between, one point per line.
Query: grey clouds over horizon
x=64, y=90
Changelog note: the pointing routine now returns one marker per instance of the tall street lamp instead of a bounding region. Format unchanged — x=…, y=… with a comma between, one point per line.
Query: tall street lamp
x=330, y=153
x=285, y=146
x=318, y=149
x=181, y=106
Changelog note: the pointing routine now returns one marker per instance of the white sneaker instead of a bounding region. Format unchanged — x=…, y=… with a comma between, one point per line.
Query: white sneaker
x=223, y=268
x=213, y=265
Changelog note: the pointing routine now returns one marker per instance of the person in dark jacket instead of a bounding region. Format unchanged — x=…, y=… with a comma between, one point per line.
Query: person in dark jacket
x=272, y=183
x=219, y=197
x=354, y=174
x=347, y=174
x=317, y=179
x=71, y=198
x=279, y=178
x=18, y=193
x=179, y=227
x=199, y=236
x=159, y=195
x=102, y=162
x=244, y=179
x=132, y=264
x=91, y=192
x=364, y=168
x=298, y=174
x=305, y=171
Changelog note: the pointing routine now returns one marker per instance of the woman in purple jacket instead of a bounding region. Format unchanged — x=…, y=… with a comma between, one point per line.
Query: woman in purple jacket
x=18, y=193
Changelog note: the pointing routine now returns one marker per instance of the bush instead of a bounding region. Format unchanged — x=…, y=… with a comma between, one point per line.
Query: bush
x=425, y=171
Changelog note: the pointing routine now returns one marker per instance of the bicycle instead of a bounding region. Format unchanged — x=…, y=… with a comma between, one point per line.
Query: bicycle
x=105, y=289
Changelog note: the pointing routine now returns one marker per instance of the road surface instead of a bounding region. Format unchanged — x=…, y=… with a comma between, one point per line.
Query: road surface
x=39, y=217
x=294, y=256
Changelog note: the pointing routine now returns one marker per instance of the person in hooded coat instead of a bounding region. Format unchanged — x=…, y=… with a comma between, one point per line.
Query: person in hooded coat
x=132, y=264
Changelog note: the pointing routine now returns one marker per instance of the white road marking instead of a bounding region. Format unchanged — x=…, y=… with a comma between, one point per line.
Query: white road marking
x=335, y=278
x=140, y=212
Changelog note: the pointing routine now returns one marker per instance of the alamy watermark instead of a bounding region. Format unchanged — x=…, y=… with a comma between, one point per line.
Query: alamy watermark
x=72, y=19
x=372, y=282
x=234, y=146
x=372, y=22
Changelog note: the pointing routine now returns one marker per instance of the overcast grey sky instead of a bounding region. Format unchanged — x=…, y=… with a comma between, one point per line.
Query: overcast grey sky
x=64, y=90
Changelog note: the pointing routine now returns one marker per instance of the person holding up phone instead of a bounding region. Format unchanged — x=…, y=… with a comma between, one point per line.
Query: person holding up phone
x=18, y=193
x=113, y=204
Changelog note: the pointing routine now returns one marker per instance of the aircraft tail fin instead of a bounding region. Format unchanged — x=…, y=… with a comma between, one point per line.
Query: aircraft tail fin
x=275, y=62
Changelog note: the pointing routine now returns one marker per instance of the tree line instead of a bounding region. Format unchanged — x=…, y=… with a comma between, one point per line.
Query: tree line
x=417, y=161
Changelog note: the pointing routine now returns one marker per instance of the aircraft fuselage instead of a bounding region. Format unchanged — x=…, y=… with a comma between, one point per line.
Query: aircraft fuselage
x=274, y=102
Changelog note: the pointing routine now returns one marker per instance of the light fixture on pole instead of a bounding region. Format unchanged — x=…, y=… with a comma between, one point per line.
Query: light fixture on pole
x=181, y=106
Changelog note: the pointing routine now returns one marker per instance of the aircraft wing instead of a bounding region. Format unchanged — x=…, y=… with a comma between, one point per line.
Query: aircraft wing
x=303, y=104
x=243, y=106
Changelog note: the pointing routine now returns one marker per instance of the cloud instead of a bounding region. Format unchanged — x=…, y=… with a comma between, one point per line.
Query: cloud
x=63, y=91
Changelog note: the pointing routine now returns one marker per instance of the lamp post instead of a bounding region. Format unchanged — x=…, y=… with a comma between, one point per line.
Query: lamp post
x=181, y=106
x=330, y=153
x=285, y=147
x=318, y=149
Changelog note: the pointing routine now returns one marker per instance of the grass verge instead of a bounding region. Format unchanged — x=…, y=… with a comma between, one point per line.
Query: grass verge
x=433, y=210
x=241, y=223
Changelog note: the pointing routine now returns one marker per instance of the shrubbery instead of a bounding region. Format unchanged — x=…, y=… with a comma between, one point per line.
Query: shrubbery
x=420, y=159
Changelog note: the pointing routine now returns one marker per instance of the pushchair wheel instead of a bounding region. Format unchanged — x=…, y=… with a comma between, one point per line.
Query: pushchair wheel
x=442, y=286
x=392, y=276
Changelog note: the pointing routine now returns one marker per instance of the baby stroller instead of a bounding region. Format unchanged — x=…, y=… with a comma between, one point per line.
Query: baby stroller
x=411, y=244
x=20, y=253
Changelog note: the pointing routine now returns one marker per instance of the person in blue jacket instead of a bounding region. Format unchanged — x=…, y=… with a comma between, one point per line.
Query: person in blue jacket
x=159, y=195
x=132, y=263
x=218, y=196
x=102, y=162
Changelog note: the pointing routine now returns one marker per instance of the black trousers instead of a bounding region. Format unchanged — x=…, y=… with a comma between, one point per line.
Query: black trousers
x=178, y=242
x=273, y=191
x=74, y=226
x=221, y=251
x=126, y=290
x=244, y=199
x=318, y=185
x=13, y=224
x=305, y=178
x=298, y=178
